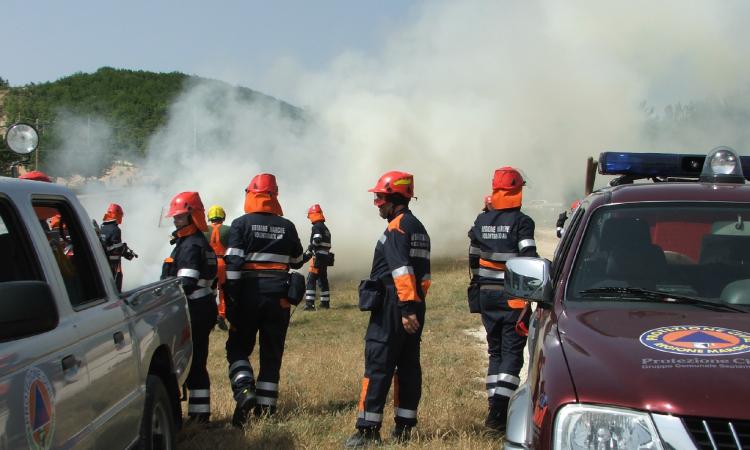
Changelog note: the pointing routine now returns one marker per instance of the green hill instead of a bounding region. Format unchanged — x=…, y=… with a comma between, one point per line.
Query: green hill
x=133, y=103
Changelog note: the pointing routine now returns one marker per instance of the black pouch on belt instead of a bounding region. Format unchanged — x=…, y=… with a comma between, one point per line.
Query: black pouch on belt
x=331, y=257
x=472, y=294
x=371, y=295
x=296, y=288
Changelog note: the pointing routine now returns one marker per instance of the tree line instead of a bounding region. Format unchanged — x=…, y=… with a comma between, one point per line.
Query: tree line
x=134, y=105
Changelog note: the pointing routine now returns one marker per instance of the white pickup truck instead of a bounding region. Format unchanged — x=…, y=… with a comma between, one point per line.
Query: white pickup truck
x=81, y=365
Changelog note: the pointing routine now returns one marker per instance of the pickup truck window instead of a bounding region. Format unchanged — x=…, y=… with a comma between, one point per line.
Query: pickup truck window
x=71, y=251
x=15, y=261
x=700, y=250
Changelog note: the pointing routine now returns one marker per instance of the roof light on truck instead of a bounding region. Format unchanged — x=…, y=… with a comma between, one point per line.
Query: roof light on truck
x=722, y=166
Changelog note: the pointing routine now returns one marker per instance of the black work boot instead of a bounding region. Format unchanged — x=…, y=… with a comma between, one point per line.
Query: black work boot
x=309, y=306
x=325, y=305
x=245, y=403
x=363, y=437
x=401, y=433
x=496, y=418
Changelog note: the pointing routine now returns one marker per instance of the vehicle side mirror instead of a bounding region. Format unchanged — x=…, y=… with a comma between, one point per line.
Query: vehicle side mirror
x=26, y=308
x=529, y=279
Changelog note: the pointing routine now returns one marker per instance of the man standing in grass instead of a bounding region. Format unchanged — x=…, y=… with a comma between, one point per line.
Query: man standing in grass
x=320, y=251
x=263, y=245
x=497, y=235
x=399, y=281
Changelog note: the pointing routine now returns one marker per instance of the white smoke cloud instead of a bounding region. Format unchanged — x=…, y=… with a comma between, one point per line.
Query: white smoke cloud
x=465, y=88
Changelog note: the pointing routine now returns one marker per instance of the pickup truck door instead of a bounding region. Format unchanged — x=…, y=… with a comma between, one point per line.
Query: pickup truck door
x=43, y=377
x=115, y=393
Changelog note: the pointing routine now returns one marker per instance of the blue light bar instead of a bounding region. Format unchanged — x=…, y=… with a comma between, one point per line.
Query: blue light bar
x=645, y=165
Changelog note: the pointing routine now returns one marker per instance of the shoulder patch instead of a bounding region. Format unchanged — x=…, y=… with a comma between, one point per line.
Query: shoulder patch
x=395, y=224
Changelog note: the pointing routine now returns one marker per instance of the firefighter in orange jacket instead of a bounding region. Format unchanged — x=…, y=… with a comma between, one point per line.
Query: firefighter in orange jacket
x=401, y=271
x=193, y=261
x=320, y=251
x=497, y=235
x=218, y=238
x=263, y=245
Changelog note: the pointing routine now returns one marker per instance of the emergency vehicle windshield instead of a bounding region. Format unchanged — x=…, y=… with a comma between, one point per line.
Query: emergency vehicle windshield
x=666, y=252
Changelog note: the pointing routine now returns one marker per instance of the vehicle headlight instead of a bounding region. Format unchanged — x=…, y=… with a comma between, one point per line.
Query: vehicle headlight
x=589, y=427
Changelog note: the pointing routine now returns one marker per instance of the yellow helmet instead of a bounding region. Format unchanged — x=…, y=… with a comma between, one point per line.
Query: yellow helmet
x=216, y=212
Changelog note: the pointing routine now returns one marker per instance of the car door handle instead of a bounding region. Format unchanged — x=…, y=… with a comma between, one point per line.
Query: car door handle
x=70, y=362
x=118, y=337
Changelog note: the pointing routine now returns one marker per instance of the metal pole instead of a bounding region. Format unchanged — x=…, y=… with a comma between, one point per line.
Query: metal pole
x=36, y=153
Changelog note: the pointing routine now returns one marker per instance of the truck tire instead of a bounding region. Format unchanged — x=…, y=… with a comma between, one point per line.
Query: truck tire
x=158, y=430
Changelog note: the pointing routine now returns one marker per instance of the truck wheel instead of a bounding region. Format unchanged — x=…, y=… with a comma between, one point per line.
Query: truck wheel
x=157, y=425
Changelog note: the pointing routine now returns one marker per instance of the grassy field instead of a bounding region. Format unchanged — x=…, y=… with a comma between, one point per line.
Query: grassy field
x=322, y=373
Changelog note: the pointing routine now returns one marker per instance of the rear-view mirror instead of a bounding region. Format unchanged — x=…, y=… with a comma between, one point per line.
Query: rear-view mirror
x=529, y=279
x=26, y=308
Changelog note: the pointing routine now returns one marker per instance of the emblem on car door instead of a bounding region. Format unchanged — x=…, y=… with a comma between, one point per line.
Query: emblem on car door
x=39, y=408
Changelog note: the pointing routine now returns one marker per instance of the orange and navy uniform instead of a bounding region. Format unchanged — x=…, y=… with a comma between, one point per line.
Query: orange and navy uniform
x=193, y=261
x=402, y=263
x=262, y=248
x=320, y=244
x=497, y=236
x=402, y=255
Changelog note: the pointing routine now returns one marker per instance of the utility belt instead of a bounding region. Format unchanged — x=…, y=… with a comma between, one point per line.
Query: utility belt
x=264, y=274
x=289, y=284
x=473, y=296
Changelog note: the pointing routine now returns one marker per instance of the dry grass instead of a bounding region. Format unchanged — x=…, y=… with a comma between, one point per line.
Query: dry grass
x=322, y=372
x=324, y=364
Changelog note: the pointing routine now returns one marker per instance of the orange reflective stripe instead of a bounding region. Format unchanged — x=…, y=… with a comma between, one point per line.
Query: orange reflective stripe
x=516, y=303
x=265, y=266
x=406, y=286
x=395, y=391
x=426, y=286
x=363, y=394
x=395, y=224
x=313, y=269
x=491, y=264
x=169, y=260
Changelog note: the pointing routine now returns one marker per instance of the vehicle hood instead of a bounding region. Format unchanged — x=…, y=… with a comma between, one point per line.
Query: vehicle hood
x=677, y=359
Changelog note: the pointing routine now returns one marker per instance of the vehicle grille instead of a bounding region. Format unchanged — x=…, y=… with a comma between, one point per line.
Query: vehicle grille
x=719, y=434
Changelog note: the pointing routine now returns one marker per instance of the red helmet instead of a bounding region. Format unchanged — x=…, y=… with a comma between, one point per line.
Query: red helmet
x=314, y=209
x=35, y=175
x=507, y=179
x=185, y=202
x=263, y=183
x=395, y=182
x=114, y=211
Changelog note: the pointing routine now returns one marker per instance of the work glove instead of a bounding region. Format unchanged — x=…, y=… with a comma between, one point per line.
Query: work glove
x=307, y=255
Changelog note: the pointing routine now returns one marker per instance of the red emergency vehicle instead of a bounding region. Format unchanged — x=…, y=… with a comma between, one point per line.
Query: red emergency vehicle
x=641, y=333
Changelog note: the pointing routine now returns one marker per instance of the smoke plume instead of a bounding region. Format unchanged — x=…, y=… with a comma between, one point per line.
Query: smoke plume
x=462, y=89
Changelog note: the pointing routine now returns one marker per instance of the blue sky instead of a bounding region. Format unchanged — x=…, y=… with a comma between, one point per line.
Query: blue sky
x=230, y=40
